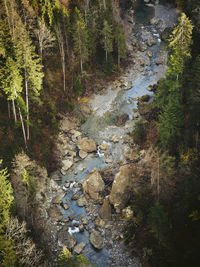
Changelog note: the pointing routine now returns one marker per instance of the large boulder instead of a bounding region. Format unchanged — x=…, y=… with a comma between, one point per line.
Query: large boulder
x=67, y=163
x=81, y=202
x=121, y=119
x=65, y=239
x=87, y=145
x=122, y=187
x=96, y=240
x=93, y=186
x=55, y=213
x=105, y=210
x=67, y=125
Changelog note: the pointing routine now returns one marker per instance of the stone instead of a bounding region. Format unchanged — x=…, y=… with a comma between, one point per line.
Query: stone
x=65, y=206
x=133, y=155
x=58, y=199
x=153, y=21
x=143, y=47
x=135, y=115
x=67, y=163
x=103, y=146
x=145, y=98
x=151, y=42
x=108, y=160
x=87, y=145
x=96, y=240
x=149, y=54
x=121, y=187
x=75, y=196
x=115, y=138
x=65, y=239
x=121, y=119
x=67, y=125
x=99, y=222
x=93, y=186
x=82, y=154
x=85, y=109
x=67, y=185
x=105, y=210
x=85, y=221
x=81, y=202
x=55, y=213
x=66, y=219
x=127, y=213
x=161, y=60
x=78, y=248
x=166, y=33
x=81, y=228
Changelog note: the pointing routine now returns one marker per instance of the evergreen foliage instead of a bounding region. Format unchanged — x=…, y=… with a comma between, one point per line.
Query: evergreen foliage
x=180, y=42
x=107, y=38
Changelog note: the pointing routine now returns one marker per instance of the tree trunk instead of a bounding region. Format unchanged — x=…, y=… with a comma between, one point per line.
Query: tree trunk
x=118, y=60
x=104, y=4
x=158, y=180
x=62, y=51
x=14, y=110
x=8, y=109
x=23, y=128
x=81, y=65
x=106, y=56
x=27, y=107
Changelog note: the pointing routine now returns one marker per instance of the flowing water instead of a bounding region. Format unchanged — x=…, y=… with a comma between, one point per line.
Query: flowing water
x=100, y=126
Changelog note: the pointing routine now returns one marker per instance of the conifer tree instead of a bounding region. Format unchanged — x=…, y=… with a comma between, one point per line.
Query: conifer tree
x=30, y=64
x=80, y=38
x=107, y=38
x=180, y=42
x=6, y=196
x=121, y=44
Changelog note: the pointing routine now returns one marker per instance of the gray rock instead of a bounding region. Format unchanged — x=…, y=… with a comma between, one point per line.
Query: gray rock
x=93, y=186
x=121, y=119
x=55, y=213
x=145, y=98
x=85, y=221
x=81, y=202
x=75, y=196
x=67, y=163
x=82, y=154
x=105, y=210
x=96, y=240
x=65, y=239
x=87, y=145
x=81, y=228
x=58, y=199
x=65, y=206
x=78, y=248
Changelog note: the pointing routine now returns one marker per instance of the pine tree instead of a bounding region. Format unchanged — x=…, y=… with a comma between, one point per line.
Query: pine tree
x=30, y=64
x=171, y=122
x=107, y=38
x=180, y=42
x=6, y=196
x=121, y=44
x=80, y=38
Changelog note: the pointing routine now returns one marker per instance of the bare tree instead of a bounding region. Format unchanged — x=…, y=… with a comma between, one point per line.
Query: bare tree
x=28, y=254
x=45, y=37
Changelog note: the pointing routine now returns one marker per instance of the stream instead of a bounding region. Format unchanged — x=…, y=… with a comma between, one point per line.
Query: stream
x=100, y=126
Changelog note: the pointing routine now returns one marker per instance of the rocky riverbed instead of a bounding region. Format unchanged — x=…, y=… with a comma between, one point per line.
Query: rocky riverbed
x=84, y=205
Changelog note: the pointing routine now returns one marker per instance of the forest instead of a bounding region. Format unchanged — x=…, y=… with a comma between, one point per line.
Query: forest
x=53, y=53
